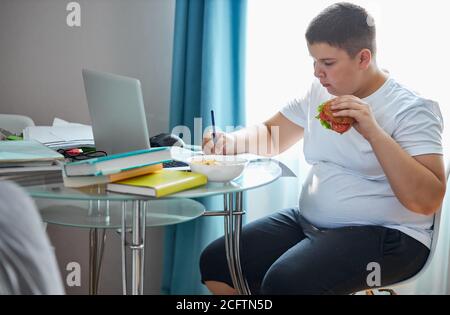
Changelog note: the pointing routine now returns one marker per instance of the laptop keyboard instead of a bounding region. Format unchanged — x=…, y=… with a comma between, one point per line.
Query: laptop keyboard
x=174, y=164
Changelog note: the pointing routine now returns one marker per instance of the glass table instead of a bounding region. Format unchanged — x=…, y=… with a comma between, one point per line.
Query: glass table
x=97, y=209
x=128, y=215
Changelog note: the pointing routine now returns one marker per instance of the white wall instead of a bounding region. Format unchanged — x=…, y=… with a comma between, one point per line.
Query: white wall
x=40, y=76
x=41, y=57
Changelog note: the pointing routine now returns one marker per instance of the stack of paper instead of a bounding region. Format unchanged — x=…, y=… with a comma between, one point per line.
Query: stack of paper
x=24, y=159
x=27, y=153
x=32, y=178
x=61, y=135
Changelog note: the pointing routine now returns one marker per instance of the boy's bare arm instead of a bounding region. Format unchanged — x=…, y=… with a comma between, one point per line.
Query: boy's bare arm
x=270, y=138
x=417, y=182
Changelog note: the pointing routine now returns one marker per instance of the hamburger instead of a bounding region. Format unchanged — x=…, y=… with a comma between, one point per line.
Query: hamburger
x=327, y=120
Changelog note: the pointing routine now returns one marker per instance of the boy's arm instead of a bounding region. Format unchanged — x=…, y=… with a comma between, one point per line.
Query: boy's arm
x=270, y=138
x=418, y=182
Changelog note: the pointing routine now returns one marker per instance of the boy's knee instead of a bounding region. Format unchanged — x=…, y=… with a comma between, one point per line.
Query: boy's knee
x=280, y=280
x=276, y=281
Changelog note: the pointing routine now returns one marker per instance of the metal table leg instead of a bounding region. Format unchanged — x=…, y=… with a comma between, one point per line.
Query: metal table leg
x=232, y=214
x=97, y=212
x=123, y=237
x=233, y=226
x=95, y=258
x=137, y=246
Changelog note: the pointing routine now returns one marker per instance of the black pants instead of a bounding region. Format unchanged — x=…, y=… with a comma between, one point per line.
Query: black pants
x=284, y=254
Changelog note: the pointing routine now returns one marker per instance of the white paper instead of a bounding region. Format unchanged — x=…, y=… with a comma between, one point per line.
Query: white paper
x=61, y=122
x=61, y=135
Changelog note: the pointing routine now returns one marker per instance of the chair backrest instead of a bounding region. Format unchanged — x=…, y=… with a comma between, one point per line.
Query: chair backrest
x=436, y=228
x=15, y=123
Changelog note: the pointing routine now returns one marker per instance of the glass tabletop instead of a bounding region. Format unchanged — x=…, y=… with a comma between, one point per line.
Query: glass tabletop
x=256, y=174
x=108, y=215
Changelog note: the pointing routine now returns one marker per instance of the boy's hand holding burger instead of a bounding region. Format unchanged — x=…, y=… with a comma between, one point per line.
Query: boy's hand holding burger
x=344, y=112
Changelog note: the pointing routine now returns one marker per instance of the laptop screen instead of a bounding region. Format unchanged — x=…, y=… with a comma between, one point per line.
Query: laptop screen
x=117, y=112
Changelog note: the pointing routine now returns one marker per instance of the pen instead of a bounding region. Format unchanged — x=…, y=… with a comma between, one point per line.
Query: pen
x=213, y=127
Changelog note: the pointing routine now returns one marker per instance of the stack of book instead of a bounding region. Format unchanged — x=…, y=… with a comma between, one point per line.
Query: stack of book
x=88, y=180
x=137, y=172
x=114, y=167
x=20, y=154
x=27, y=162
x=159, y=184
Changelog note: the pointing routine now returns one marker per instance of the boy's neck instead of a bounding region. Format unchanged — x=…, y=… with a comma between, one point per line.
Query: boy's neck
x=375, y=79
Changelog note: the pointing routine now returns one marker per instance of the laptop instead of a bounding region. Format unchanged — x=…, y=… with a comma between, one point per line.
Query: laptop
x=117, y=114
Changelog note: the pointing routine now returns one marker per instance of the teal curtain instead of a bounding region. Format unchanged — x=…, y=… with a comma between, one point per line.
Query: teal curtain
x=208, y=73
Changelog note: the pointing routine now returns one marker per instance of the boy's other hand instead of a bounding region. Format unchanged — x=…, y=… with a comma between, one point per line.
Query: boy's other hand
x=224, y=144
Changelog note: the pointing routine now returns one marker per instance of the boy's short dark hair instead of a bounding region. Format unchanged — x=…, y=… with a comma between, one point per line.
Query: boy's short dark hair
x=344, y=25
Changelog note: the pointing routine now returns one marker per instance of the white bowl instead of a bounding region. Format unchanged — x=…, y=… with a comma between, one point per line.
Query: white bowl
x=218, y=168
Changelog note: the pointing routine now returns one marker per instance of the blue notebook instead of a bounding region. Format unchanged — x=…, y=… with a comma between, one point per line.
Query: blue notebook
x=26, y=151
x=116, y=163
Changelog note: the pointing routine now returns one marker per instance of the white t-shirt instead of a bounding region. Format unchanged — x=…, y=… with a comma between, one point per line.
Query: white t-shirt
x=346, y=185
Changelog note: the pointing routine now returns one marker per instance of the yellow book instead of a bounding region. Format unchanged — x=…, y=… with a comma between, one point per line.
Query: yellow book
x=135, y=172
x=81, y=181
x=158, y=184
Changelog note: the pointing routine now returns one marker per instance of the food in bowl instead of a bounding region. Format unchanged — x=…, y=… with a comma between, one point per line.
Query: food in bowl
x=218, y=168
x=206, y=162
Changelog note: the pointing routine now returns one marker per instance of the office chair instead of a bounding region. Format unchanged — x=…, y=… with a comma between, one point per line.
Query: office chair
x=437, y=225
x=15, y=123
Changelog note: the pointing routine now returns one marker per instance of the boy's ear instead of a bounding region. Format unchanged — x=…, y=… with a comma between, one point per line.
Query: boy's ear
x=365, y=58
